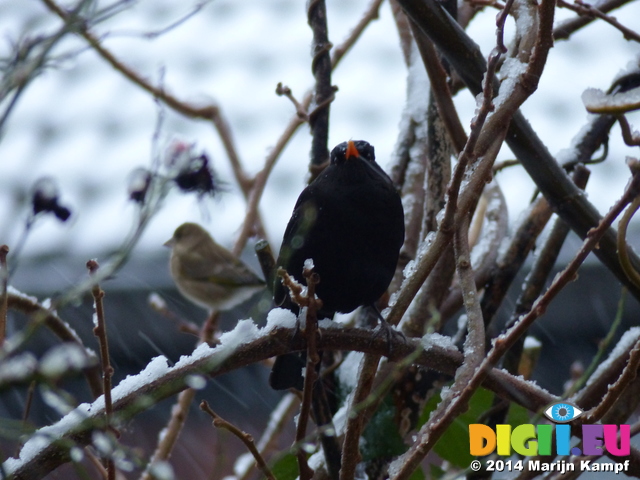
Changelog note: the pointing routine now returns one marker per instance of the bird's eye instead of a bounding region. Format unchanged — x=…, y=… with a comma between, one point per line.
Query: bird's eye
x=562, y=412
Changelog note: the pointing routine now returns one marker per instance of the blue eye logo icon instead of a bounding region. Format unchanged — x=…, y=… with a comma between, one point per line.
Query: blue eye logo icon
x=562, y=412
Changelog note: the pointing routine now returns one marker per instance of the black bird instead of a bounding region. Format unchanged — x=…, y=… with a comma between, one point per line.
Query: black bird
x=350, y=221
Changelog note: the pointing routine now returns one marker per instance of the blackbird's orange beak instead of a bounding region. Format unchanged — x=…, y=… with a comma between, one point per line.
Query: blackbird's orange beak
x=352, y=151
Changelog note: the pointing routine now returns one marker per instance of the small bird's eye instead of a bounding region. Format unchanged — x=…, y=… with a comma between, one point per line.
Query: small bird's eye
x=562, y=412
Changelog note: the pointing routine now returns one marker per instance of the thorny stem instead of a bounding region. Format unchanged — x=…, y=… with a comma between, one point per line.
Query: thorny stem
x=244, y=437
x=4, y=298
x=100, y=331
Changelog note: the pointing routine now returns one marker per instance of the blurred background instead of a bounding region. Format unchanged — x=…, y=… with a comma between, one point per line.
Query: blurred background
x=87, y=126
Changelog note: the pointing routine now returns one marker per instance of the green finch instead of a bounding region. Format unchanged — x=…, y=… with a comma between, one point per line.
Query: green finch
x=206, y=273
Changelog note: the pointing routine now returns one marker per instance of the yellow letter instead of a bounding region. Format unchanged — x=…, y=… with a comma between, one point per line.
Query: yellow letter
x=504, y=439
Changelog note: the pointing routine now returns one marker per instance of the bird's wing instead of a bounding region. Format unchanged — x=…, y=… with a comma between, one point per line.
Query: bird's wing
x=300, y=223
x=219, y=266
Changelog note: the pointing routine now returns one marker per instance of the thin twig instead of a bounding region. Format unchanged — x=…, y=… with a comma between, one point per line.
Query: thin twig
x=321, y=69
x=171, y=432
x=100, y=331
x=497, y=218
x=588, y=10
x=512, y=259
x=283, y=90
x=157, y=304
x=217, y=362
x=279, y=418
x=440, y=88
x=355, y=418
x=455, y=402
x=474, y=344
x=450, y=219
x=417, y=452
x=30, y=306
x=623, y=252
x=404, y=30
x=628, y=374
x=267, y=262
x=371, y=13
x=631, y=139
x=95, y=462
x=210, y=112
x=260, y=181
x=311, y=330
x=603, y=346
x=180, y=409
x=27, y=411
x=4, y=299
x=247, y=439
x=564, y=29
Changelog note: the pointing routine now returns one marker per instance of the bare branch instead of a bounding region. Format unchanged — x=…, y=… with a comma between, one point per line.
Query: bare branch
x=585, y=9
x=100, y=331
x=564, y=29
x=4, y=299
x=245, y=438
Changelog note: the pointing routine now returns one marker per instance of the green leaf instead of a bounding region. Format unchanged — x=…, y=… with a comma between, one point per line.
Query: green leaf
x=453, y=446
x=517, y=415
x=286, y=468
x=436, y=471
x=417, y=474
x=381, y=437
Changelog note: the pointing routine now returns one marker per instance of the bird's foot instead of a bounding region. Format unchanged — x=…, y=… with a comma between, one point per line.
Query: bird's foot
x=386, y=329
